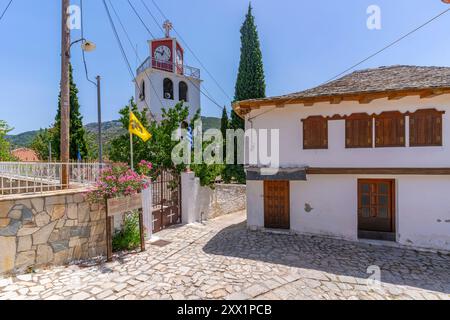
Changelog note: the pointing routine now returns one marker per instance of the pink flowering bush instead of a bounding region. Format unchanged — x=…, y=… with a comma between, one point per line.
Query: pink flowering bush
x=144, y=167
x=117, y=181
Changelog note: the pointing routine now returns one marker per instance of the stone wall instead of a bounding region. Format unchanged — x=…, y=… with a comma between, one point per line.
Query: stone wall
x=202, y=203
x=49, y=229
x=226, y=199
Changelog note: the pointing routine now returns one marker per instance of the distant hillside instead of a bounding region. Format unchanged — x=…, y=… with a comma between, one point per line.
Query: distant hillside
x=110, y=129
x=23, y=139
x=211, y=123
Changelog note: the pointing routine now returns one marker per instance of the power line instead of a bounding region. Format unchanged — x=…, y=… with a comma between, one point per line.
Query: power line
x=6, y=9
x=389, y=45
x=137, y=14
x=370, y=56
x=124, y=56
x=197, y=87
x=190, y=50
x=82, y=51
x=137, y=55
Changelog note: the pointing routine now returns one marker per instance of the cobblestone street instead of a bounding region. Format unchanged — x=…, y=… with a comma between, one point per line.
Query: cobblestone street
x=223, y=260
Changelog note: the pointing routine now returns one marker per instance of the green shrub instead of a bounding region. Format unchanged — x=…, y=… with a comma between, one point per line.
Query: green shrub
x=129, y=237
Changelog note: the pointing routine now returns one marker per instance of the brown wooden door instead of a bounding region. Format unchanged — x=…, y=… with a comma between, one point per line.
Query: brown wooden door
x=276, y=204
x=376, y=205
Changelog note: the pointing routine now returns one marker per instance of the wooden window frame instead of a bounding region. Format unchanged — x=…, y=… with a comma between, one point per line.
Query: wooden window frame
x=399, y=134
x=436, y=139
x=358, y=117
x=323, y=135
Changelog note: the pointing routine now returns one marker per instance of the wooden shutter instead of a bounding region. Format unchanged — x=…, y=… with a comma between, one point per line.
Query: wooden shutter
x=390, y=130
x=315, y=133
x=425, y=128
x=359, y=131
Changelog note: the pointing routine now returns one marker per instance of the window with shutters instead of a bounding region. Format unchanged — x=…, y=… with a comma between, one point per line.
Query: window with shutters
x=390, y=130
x=359, y=131
x=425, y=128
x=315, y=133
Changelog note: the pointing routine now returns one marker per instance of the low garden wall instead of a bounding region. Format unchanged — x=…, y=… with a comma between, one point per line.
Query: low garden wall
x=203, y=203
x=52, y=228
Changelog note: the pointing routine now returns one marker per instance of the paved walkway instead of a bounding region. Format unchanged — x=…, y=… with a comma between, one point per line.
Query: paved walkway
x=223, y=260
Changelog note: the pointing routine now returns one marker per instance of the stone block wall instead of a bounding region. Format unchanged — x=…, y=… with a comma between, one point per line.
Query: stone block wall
x=226, y=199
x=49, y=229
x=203, y=203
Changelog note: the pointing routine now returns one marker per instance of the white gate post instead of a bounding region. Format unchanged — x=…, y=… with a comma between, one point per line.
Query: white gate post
x=147, y=206
x=190, y=186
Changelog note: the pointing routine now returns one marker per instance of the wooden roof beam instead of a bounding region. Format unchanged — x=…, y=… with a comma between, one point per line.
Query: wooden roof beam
x=396, y=96
x=336, y=100
x=431, y=94
x=366, y=99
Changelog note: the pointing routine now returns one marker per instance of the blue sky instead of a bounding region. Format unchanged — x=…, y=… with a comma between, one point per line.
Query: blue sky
x=303, y=42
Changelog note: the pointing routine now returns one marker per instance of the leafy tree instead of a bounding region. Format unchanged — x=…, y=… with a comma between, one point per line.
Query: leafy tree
x=250, y=82
x=41, y=144
x=5, y=154
x=77, y=131
x=158, y=150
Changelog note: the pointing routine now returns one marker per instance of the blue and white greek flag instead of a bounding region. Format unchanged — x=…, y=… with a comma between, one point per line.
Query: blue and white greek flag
x=189, y=137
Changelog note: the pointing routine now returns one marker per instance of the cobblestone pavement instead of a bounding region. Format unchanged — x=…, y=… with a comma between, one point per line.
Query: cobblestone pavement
x=223, y=260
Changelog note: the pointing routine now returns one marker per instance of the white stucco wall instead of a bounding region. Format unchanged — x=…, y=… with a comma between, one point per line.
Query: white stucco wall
x=424, y=211
x=154, y=94
x=288, y=121
x=422, y=208
x=255, y=204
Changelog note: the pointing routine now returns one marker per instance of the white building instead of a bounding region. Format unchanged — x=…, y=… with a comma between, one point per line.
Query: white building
x=365, y=156
x=163, y=79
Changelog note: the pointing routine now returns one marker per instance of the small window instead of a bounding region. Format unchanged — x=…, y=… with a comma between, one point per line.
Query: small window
x=390, y=130
x=183, y=91
x=168, y=89
x=358, y=131
x=315, y=133
x=425, y=128
x=142, y=91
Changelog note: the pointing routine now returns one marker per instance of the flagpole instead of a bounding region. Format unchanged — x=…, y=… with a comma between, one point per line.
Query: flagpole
x=131, y=142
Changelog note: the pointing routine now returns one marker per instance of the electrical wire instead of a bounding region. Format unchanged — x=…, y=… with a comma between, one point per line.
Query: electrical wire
x=5, y=10
x=389, y=45
x=82, y=51
x=137, y=55
x=122, y=50
x=195, y=85
x=370, y=56
x=190, y=50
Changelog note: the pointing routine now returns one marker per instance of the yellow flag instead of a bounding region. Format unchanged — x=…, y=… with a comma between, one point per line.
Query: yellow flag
x=138, y=129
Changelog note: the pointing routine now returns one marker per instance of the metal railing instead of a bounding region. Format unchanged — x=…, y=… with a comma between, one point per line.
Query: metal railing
x=169, y=67
x=38, y=177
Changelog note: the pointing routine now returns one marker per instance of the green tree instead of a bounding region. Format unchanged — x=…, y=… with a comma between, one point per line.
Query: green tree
x=77, y=132
x=250, y=82
x=5, y=154
x=224, y=123
x=158, y=149
x=41, y=144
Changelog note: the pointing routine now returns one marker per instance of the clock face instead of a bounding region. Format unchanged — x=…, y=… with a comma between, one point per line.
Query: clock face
x=162, y=53
x=179, y=57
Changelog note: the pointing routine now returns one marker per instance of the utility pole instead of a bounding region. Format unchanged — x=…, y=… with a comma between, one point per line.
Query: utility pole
x=65, y=95
x=99, y=110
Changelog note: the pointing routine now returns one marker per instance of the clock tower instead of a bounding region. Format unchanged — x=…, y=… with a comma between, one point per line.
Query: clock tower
x=163, y=79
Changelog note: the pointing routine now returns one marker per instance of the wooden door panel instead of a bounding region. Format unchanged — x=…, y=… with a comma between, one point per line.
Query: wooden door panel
x=276, y=204
x=376, y=207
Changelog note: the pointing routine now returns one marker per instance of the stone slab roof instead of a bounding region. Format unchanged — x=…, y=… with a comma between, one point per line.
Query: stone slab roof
x=400, y=78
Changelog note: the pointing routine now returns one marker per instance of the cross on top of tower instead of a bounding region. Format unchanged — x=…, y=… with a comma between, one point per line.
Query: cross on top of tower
x=168, y=27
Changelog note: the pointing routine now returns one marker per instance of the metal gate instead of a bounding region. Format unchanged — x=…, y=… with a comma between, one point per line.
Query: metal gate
x=166, y=191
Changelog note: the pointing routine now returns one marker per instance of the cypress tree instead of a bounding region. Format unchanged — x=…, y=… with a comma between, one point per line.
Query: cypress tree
x=77, y=132
x=250, y=82
x=224, y=123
